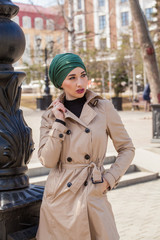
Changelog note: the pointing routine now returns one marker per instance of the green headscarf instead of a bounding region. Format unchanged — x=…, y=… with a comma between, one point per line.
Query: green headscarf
x=62, y=65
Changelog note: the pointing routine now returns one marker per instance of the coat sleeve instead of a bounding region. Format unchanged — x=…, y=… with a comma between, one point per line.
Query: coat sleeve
x=122, y=143
x=52, y=135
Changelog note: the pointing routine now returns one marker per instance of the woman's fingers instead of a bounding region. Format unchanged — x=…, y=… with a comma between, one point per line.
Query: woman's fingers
x=58, y=109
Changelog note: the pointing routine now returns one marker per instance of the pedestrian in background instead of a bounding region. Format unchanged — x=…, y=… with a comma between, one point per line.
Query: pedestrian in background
x=146, y=97
x=73, y=141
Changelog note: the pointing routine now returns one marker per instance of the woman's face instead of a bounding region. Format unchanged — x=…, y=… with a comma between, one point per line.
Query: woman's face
x=75, y=84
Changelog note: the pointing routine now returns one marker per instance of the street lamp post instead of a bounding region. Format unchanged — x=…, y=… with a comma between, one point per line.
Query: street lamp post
x=46, y=80
x=19, y=201
x=46, y=99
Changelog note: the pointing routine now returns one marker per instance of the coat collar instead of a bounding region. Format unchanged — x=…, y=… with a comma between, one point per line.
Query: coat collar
x=88, y=113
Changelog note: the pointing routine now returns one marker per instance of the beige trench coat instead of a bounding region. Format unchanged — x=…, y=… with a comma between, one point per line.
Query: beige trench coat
x=73, y=207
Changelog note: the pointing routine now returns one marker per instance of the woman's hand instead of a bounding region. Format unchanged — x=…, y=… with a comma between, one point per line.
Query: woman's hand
x=58, y=110
x=106, y=183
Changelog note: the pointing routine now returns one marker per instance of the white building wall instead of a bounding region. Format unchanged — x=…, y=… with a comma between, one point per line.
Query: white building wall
x=125, y=7
x=79, y=14
x=122, y=7
x=105, y=33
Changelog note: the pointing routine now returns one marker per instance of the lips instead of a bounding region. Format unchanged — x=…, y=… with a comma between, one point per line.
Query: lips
x=80, y=90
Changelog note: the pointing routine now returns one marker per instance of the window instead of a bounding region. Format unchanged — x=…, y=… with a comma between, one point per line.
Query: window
x=80, y=45
x=148, y=13
x=49, y=24
x=38, y=23
x=102, y=43
x=79, y=4
x=122, y=1
x=124, y=18
x=80, y=25
x=101, y=3
x=26, y=22
x=38, y=52
x=102, y=22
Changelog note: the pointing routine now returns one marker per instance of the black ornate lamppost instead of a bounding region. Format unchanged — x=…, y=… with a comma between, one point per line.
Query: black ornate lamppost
x=19, y=201
x=156, y=122
x=44, y=101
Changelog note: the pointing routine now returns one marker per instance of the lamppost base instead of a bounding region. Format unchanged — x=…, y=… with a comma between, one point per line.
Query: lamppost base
x=43, y=102
x=156, y=123
x=117, y=102
x=19, y=213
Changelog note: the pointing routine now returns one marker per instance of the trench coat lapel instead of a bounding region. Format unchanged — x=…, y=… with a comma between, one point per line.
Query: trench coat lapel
x=88, y=113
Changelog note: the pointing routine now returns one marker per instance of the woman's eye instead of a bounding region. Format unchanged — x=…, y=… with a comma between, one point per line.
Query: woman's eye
x=71, y=78
x=84, y=75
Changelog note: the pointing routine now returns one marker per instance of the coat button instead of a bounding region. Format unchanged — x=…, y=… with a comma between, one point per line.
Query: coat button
x=61, y=135
x=87, y=157
x=69, y=159
x=85, y=183
x=69, y=184
x=87, y=130
x=68, y=132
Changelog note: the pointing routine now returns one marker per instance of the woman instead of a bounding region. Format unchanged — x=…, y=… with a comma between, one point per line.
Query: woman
x=146, y=97
x=73, y=143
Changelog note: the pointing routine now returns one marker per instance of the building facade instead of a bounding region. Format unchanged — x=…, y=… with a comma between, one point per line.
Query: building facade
x=42, y=29
x=124, y=17
x=96, y=24
x=101, y=23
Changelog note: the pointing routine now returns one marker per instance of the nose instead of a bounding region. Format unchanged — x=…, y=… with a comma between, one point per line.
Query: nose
x=79, y=82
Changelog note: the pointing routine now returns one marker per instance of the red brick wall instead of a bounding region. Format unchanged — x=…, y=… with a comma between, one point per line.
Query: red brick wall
x=112, y=23
x=89, y=19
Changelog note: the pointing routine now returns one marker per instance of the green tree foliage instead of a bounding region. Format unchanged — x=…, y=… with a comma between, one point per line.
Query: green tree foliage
x=97, y=68
x=120, y=80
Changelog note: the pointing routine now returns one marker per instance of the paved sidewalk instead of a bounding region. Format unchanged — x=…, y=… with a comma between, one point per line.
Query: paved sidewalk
x=137, y=207
x=137, y=211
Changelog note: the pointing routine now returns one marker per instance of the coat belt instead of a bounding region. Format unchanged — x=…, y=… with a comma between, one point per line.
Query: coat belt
x=96, y=175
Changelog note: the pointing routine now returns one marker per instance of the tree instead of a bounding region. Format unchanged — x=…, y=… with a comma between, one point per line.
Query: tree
x=147, y=50
x=156, y=29
x=97, y=67
x=67, y=11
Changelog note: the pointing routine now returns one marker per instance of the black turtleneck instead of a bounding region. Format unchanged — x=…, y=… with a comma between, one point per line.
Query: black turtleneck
x=75, y=106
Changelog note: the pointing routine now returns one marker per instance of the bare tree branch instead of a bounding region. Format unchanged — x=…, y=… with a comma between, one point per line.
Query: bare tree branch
x=147, y=49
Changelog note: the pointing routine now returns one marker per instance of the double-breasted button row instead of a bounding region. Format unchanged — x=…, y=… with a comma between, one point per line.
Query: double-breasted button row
x=87, y=157
x=87, y=130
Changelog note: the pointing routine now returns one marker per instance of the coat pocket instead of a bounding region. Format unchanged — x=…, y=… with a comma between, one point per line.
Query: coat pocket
x=50, y=185
x=101, y=188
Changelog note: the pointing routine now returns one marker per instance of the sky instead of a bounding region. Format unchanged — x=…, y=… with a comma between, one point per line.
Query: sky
x=44, y=3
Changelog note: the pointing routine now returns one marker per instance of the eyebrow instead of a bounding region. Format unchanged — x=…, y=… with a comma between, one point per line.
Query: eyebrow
x=75, y=74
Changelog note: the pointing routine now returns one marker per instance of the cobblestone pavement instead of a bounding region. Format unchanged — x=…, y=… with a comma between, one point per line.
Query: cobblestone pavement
x=137, y=211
